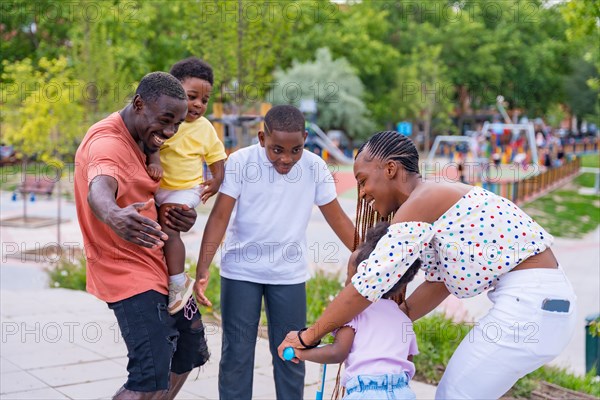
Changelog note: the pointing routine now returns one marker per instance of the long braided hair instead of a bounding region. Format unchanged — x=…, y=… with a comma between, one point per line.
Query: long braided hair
x=385, y=146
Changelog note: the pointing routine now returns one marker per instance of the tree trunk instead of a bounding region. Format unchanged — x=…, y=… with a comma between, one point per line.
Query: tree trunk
x=23, y=179
x=427, y=133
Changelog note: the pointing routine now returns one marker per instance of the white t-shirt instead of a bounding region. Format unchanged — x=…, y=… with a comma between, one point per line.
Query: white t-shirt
x=266, y=237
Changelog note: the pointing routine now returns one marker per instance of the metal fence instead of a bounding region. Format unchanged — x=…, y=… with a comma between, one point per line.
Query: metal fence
x=527, y=189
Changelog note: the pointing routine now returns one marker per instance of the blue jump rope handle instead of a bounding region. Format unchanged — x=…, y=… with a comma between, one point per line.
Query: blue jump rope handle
x=288, y=353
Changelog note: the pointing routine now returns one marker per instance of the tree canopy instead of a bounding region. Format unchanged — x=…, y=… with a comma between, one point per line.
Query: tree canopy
x=535, y=53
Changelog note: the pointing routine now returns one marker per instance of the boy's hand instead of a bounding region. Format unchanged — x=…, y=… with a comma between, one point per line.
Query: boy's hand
x=199, y=289
x=155, y=171
x=210, y=188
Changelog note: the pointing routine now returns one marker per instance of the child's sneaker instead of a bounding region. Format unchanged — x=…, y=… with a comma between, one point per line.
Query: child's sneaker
x=180, y=294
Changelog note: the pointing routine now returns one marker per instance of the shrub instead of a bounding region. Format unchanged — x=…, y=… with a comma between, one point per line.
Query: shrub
x=437, y=338
x=68, y=274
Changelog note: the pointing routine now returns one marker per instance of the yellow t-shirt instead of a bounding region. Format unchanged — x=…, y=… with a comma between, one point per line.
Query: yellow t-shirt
x=181, y=156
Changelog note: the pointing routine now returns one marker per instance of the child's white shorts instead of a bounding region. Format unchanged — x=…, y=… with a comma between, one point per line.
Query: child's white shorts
x=191, y=197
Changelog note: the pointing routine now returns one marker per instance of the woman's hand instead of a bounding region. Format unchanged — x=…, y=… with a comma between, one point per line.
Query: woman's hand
x=291, y=340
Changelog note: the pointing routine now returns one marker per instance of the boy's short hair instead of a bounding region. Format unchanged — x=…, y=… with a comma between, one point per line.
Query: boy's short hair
x=192, y=67
x=156, y=84
x=284, y=118
x=367, y=247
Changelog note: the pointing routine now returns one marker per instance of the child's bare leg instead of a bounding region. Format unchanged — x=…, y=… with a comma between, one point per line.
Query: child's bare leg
x=174, y=248
x=180, y=285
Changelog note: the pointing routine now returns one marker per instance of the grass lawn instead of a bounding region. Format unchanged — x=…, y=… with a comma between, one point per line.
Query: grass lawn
x=590, y=160
x=566, y=213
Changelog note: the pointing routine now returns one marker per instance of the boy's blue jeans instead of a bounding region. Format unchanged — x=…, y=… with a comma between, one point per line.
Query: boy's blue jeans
x=285, y=306
x=379, y=387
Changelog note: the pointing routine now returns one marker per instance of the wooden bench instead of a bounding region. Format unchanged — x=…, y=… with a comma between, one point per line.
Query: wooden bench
x=34, y=185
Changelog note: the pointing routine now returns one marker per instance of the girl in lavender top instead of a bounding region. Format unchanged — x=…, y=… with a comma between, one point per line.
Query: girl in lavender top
x=377, y=344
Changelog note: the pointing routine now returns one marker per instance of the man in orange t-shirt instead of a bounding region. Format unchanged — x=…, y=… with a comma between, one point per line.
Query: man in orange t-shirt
x=123, y=242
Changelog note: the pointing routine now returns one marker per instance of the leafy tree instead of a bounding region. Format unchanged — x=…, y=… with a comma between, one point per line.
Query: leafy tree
x=533, y=50
x=109, y=57
x=514, y=48
x=243, y=40
x=34, y=29
x=335, y=88
x=424, y=92
x=359, y=33
x=583, y=100
x=583, y=31
x=44, y=108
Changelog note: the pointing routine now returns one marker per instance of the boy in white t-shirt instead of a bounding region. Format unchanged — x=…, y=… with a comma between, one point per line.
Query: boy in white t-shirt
x=272, y=186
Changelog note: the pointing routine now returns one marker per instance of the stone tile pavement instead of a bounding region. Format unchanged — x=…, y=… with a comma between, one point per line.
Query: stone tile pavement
x=65, y=344
x=59, y=344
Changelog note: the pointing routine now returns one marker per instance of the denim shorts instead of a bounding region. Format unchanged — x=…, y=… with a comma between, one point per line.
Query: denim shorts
x=159, y=343
x=379, y=387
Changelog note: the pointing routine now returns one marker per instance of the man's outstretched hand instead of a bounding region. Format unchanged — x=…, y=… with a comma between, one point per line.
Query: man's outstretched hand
x=130, y=224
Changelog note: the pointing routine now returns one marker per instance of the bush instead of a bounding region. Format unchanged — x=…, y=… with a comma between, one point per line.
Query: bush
x=68, y=274
x=320, y=290
x=586, y=384
x=437, y=338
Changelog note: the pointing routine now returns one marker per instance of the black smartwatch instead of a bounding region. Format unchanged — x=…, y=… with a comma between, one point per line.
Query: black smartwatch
x=302, y=341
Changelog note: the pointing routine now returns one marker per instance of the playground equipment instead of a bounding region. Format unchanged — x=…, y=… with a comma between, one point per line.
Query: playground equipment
x=470, y=141
x=230, y=122
x=317, y=137
x=513, y=149
x=497, y=129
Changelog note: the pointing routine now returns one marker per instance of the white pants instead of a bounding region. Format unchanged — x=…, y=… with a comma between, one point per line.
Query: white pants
x=191, y=197
x=515, y=338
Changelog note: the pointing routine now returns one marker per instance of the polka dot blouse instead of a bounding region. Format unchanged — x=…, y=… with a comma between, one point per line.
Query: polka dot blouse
x=468, y=248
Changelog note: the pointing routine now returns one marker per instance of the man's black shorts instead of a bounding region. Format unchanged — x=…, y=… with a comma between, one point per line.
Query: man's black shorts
x=158, y=343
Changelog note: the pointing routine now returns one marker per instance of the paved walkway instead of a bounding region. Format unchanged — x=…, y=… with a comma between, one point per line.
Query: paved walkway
x=65, y=344
x=60, y=344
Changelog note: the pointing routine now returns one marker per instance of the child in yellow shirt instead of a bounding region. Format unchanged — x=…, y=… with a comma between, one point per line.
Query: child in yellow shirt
x=180, y=167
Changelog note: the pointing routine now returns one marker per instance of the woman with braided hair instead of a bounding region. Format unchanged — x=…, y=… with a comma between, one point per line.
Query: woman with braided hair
x=469, y=241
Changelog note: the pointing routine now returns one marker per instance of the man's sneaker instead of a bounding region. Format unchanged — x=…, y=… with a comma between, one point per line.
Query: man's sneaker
x=180, y=294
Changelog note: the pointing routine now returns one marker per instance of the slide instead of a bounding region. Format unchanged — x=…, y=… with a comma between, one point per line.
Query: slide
x=325, y=143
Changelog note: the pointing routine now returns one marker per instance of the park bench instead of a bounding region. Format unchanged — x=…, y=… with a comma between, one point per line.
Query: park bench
x=33, y=185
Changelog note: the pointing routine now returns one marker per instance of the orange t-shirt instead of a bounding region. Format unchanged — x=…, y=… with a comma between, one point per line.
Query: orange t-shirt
x=116, y=269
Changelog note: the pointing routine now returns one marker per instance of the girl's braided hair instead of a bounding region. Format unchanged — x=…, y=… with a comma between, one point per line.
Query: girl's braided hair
x=385, y=145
